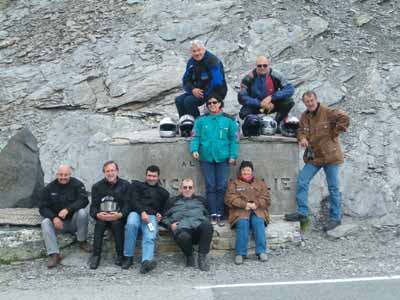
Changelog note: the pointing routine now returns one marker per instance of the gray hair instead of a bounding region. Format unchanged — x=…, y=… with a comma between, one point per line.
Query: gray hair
x=197, y=44
x=309, y=93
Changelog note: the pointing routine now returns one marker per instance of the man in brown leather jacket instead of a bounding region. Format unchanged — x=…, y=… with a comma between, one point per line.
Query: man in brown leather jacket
x=318, y=133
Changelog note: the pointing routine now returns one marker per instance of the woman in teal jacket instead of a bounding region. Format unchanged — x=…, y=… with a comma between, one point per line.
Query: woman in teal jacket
x=215, y=145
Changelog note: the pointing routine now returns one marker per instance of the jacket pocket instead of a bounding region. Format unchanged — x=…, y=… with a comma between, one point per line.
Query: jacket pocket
x=223, y=133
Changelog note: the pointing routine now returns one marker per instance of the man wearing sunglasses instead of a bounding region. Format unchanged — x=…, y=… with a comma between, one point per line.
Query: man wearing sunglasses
x=265, y=90
x=187, y=218
x=204, y=75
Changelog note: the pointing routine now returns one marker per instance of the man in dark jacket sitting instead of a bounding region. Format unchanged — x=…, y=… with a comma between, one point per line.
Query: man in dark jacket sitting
x=265, y=90
x=204, y=75
x=62, y=205
x=187, y=218
x=110, y=207
x=147, y=213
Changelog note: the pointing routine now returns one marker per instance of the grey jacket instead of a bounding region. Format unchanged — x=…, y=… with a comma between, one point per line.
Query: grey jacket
x=188, y=212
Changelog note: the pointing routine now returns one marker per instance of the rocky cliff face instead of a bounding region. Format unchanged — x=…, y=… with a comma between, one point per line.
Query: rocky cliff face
x=75, y=72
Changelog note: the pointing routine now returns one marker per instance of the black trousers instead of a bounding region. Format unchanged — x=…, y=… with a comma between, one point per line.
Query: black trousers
x=202, y=235
x=117, y=228
x=281, y=108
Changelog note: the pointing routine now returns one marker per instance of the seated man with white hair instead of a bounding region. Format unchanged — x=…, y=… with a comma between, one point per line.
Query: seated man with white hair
x=204, y=75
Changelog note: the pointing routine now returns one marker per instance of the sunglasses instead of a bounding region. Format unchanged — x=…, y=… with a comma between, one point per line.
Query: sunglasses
x=262, y=66
x=212, y=102
x=187, y=187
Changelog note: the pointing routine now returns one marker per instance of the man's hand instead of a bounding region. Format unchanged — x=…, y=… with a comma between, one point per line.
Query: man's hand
x=195, y=155
x=303, y=142
x=158, y=217
x=103, y=216
x=145, y=217
x=270, y=107
x=265, y=103
x=63, y=213
x=232, y=161
x=174, y=226
x=114, y=216
x=198, y=93
x=58, y=224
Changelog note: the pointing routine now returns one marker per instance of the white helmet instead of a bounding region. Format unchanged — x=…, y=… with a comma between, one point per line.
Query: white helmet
x=268, y=125
x=186, y=123
x=168, y=127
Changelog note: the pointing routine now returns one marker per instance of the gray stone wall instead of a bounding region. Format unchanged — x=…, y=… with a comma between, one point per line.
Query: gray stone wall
x=275, y=159
x=75, y=72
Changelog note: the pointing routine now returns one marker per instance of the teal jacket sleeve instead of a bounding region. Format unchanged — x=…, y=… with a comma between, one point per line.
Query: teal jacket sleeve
x=195, y=142
x=233, y=140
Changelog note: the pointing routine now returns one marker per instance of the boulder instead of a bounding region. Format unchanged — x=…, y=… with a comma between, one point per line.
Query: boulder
x=21, y=173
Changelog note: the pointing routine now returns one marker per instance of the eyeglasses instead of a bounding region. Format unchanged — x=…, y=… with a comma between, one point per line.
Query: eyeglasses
x=212, y=102
x=187, y=187
x=262, y=66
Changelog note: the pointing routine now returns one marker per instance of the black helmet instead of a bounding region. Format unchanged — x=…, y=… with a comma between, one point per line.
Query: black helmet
x=289, y=128
x=186, y=123
x=251, y=125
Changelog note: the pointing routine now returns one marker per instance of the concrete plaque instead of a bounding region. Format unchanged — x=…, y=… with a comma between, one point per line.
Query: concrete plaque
x=276, y=160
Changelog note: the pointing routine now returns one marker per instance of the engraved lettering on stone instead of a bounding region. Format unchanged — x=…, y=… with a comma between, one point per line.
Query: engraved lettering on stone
x=285, y=183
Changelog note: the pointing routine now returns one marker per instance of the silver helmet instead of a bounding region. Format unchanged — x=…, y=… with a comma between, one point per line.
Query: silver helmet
x=168, y=127
x=268, y=125
x=186, y=123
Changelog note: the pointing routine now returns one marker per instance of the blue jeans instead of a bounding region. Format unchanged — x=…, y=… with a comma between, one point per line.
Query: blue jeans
x=216, y=179
x=188, y=105
x=132, y=226
x=243, y=232
x=332, y=178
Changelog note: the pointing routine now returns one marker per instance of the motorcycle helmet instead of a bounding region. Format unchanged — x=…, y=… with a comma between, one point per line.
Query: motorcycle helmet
x=268, y=125
x=168, y=127
x=289, y=128
x=186, y=123
x=251, y=125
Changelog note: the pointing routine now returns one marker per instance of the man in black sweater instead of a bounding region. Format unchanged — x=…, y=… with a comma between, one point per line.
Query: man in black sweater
x=110, y=206
x=62, y=205
x=148, y=210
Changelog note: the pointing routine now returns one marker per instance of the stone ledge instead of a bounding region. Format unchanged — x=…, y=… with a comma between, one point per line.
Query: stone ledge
x=25, y=243
x=152, y=136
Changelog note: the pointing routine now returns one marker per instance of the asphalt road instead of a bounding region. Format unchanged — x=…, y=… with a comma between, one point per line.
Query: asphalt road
x=382, y=288
x=370, y=289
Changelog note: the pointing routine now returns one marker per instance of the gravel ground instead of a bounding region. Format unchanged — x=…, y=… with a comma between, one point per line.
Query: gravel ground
x=371, y=251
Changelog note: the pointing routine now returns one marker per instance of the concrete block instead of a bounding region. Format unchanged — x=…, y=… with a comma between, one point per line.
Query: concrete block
x=19, y=243
x=275, y=158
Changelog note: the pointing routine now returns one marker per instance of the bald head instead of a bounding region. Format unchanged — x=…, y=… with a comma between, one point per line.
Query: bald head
x=63, y=174
x=262, y=65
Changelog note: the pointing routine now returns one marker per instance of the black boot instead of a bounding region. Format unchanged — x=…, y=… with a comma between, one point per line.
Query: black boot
x=295, y=217
x=127, y=262
x=190, y=261
x=203, y=263
x=94, y=262
x=147, y=266
x=332, y=224
x=118, y=260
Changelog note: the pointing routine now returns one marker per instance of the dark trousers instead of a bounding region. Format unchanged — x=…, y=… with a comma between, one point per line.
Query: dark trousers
x=117, y=228
x=202, y=235
x=281, y=108
x=188, y=105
